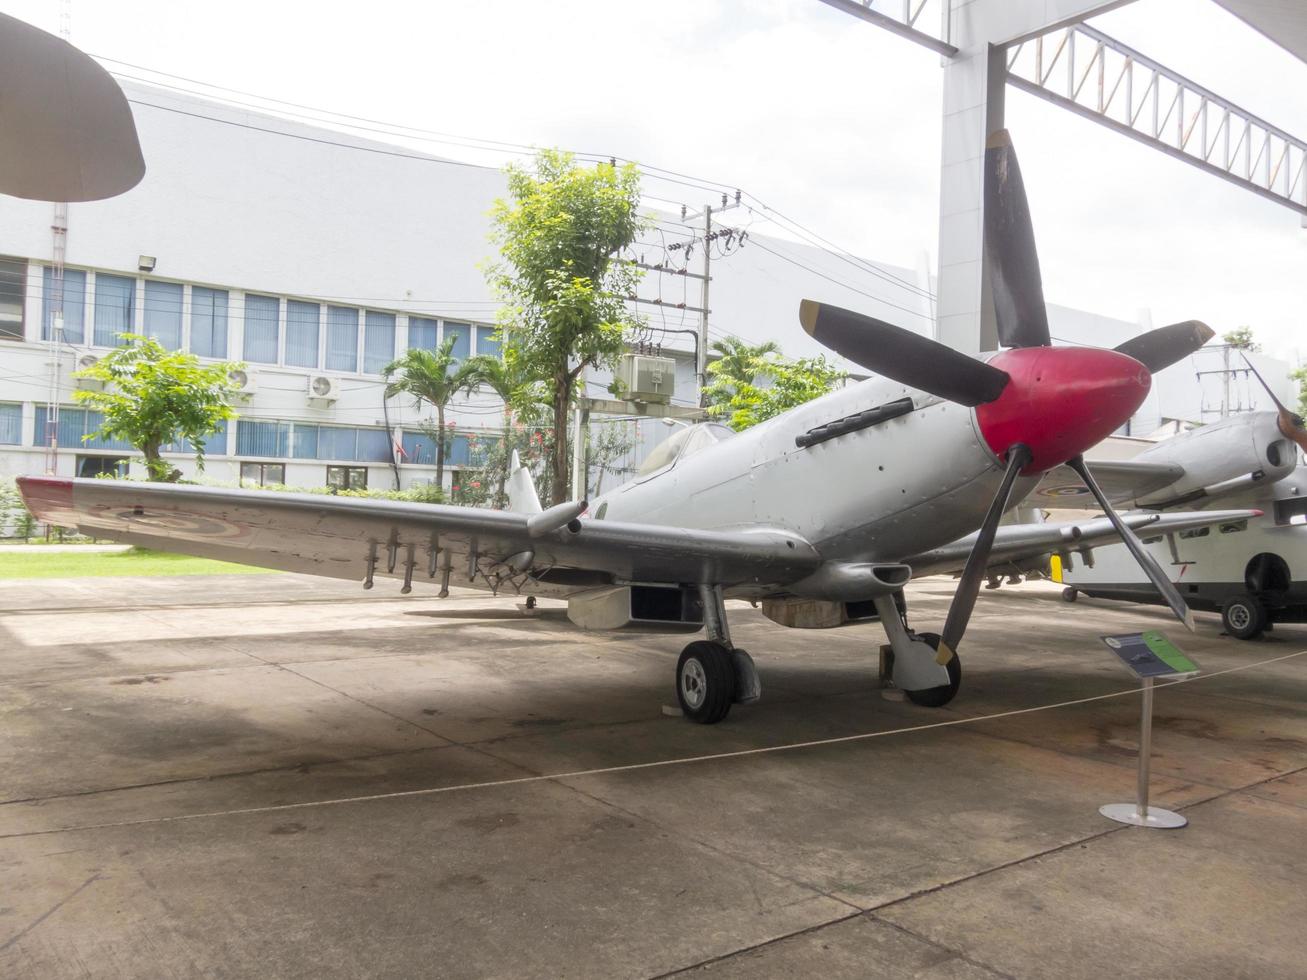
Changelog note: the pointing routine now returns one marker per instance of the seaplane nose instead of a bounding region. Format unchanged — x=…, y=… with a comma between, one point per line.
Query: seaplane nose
x=1061, y=401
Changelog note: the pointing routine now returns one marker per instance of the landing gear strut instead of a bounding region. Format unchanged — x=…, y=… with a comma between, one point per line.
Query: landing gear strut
x=713, y=674
x=915, y=665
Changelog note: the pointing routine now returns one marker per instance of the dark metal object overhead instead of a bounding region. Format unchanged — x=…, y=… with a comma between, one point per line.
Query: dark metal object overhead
x=66, y=130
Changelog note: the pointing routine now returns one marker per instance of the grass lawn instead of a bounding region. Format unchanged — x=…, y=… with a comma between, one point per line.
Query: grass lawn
x=137, y=561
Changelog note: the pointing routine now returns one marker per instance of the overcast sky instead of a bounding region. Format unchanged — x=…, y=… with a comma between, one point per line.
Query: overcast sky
x=832, y=121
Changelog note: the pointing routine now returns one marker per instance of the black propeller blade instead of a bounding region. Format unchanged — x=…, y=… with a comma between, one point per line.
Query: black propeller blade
x=1290, y=423
x=1164, y=346
x=1010, y=254
x=906, y=357
x=964, y=599
x=1145, y=560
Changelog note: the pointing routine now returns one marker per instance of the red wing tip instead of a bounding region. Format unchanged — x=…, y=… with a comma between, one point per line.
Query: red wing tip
x=46, y=494
x=1258, y=513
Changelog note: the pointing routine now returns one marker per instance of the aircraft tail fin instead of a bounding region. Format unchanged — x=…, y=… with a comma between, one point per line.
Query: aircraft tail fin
x=522, y=496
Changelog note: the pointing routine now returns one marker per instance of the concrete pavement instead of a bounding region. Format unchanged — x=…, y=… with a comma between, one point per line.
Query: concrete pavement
x=177, y=718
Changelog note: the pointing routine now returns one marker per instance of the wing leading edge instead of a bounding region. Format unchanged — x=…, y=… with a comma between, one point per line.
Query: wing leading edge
x=356, y=538
x=1021, y=542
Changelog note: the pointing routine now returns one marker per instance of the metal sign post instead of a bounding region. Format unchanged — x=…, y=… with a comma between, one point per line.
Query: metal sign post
x=1148, y=656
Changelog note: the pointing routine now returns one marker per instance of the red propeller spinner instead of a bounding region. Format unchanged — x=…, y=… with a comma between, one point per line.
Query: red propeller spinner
x=1060, y=401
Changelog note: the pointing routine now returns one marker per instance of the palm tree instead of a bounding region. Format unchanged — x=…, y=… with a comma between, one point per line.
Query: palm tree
x=434, y=377
x=521, y=396
x=739, y=363
x=735, y=370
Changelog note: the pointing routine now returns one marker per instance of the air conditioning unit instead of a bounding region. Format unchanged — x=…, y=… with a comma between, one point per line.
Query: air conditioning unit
x=85, y=361
x=245, y=382
x=323, y=390
x=647, y=379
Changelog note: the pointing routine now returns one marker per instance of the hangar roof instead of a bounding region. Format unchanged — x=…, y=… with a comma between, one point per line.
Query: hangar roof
x=1283, y=21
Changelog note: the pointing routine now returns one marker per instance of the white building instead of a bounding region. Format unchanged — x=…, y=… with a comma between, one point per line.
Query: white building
x=315, y=257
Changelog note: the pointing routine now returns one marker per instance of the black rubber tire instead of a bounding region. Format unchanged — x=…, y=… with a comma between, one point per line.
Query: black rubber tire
x=937, y=697
x=705, y=682
x=1244, y=617
x=1069, y=594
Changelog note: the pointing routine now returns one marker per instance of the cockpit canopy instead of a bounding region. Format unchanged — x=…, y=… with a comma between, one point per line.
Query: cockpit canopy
x=684, y=442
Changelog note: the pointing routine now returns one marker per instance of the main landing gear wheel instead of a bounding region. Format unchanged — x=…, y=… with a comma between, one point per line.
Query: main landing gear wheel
x=1244, y=617
x=937, y=697
x=705, y=682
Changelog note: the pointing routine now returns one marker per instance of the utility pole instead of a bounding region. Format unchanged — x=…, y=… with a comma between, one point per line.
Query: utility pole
x=701, y=359
x=59, y=247
x=701, y=365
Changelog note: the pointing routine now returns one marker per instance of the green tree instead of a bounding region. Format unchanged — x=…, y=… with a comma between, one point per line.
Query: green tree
x=524, y=400
x=737, y=365
x=738, y=362
x=1242, y=339
x=564, y=297
x=776, y=385
x=153, y=396
x=1300, y=375
x=434, y=377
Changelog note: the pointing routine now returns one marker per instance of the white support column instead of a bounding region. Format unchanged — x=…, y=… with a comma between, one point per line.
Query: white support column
x=973, y=108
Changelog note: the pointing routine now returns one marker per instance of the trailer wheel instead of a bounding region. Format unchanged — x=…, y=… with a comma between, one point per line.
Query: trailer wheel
x=1244, y=617
x=1069, y=594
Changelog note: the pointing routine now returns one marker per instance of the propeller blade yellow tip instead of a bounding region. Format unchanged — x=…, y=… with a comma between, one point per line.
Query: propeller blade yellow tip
x=808, y=310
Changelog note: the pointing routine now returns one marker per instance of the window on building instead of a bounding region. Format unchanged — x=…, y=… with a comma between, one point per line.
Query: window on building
x=302, y=333
x=459, y=452
x=214, y=445
x=422, y=333
x=374, y=446
x=1196, y=532
x=304, y=442
x=115, y=306
x=462, y=334
x=262, y=438
x=347, y=477
x=337, y=443
x=378, y=341
x=261, y=316
x=208, y=322
x=419, y=448
x=93, y=466
x=74, y=304
x=263, y=474
x=13, y=290
x=488, y=341
x=11, y=424
x=77, y=428
x=163, y=313
x=342, y=339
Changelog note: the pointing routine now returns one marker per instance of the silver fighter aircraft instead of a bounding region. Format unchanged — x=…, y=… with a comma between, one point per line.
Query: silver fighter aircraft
x=821, y=514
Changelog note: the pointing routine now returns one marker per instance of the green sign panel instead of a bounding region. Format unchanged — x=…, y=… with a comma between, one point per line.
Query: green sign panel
x=1150, y=654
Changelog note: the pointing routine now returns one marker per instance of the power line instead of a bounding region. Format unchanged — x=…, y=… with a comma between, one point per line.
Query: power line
x=500, y=146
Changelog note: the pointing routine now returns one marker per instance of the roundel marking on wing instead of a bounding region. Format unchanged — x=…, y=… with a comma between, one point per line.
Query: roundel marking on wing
x=1067, y=490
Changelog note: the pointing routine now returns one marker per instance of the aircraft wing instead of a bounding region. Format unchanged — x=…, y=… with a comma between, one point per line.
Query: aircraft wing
x=1121, y=480
x=547, y=553
x=1018, y=543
